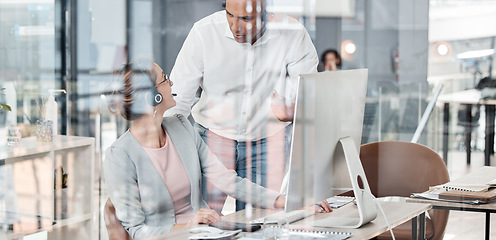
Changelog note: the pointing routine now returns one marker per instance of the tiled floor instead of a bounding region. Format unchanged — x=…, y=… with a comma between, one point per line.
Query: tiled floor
x=467, y=225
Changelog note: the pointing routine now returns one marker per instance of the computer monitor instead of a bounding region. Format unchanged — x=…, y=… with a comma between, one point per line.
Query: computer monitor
x=324, y=157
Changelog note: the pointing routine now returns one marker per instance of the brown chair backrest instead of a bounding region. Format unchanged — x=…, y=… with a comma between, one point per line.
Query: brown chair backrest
x=114, y=227
x=395, y=168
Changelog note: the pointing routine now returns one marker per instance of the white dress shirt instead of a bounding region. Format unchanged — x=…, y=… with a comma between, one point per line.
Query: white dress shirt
x=238, y=79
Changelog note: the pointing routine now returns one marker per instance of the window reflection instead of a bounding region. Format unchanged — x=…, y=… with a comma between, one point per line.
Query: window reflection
x=408, y=47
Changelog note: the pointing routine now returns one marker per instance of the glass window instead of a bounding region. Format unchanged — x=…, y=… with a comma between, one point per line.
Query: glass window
x=236, y=71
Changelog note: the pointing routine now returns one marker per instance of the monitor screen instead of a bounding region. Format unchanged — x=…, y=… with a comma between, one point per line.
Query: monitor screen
x=330, y=106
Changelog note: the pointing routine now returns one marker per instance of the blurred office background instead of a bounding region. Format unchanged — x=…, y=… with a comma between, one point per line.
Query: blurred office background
x=409, y=47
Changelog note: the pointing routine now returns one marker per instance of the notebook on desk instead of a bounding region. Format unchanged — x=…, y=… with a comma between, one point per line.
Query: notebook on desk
x=466, y=187
x=469, y=184
x=474, y=188
x=481, y=197
x=458, y=196
x=433, y=194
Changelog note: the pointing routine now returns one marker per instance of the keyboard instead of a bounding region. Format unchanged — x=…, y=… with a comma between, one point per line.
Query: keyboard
x=292, y=216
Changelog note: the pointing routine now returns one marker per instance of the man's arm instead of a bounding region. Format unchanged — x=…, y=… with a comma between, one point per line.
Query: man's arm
x=187, y=74
x=303, y=61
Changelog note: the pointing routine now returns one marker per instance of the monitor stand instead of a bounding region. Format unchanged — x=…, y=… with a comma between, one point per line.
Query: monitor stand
x=365, y=202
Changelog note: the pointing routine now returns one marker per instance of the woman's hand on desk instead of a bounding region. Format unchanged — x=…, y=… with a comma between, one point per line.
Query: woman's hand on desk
x=280, y=202
x=205, y=216
x=323, y=206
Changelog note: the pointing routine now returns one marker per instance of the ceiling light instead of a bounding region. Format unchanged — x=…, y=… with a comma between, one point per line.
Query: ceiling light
x=475, y=54
x=350, y=47
x=442, y=49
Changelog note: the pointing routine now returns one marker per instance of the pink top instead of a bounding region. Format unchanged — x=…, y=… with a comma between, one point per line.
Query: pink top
x=170, y=167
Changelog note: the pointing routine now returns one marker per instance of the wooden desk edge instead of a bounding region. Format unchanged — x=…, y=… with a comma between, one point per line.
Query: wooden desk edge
x=419, y=208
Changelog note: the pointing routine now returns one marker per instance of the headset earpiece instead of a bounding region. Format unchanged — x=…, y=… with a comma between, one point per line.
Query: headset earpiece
x=264, y=16
x=154, y=97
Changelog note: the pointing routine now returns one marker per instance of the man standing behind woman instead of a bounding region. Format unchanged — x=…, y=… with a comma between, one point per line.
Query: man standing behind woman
x=247, y=62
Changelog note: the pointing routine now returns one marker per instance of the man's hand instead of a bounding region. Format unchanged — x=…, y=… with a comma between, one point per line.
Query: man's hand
x=280, y=202
x=279, y=108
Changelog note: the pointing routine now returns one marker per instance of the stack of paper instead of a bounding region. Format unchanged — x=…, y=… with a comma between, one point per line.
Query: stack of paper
x=474, y=188
x=481, y=197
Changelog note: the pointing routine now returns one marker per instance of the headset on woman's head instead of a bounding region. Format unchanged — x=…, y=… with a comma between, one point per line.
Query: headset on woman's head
x=153, y=98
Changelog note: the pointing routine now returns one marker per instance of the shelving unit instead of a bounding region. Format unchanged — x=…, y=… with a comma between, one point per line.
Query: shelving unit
x=72, y=211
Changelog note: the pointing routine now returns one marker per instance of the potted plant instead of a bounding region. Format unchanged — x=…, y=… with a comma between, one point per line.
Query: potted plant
x=4, y=106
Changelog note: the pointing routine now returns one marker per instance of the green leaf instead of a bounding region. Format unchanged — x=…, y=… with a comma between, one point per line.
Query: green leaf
x=5, y=106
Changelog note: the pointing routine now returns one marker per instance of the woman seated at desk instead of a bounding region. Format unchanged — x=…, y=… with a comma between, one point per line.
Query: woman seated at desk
x=154, y=170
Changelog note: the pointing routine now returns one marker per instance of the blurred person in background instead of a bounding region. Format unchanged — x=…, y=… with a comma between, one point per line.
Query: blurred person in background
x=330, y=60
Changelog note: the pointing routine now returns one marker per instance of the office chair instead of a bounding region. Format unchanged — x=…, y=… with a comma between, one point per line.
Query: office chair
x=114, y=227
x=395, y=168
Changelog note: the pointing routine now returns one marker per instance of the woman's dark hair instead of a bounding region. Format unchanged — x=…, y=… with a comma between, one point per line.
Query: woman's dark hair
x=324, y=54
x=134, y=81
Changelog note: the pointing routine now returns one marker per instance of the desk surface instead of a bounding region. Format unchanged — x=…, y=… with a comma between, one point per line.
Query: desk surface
x=397, y=213
x=471, y=96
